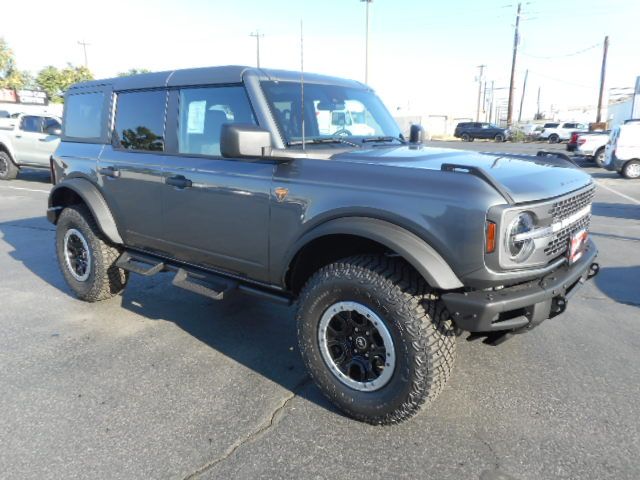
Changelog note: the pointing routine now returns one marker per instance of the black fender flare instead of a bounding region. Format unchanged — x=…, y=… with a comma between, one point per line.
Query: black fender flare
x=424, y=258
x=92, y=197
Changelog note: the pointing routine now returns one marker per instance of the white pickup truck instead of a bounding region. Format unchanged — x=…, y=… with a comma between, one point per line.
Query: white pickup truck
x=592, y=146
x=27, y=140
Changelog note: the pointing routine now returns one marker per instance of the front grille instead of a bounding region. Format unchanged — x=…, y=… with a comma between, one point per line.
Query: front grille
x=567, y=207
x=560, y=241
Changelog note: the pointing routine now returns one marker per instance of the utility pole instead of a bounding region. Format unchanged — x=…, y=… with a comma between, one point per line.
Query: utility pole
x=538, y=112
x=481, y=67
x=257, y=36
x=516, y=40
x=84, y=47
x=524, y=88
x=491, y=103
x=366, y=47
x=603, y=71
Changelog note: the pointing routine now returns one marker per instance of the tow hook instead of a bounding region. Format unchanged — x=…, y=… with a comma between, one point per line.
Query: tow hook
x=558, y=305
x=593, y=270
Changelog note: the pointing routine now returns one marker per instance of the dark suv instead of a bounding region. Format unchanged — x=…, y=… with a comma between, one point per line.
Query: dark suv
x=237, y=178
x=469, y=131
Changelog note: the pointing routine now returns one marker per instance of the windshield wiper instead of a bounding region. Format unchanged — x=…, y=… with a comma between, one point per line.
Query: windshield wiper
x=322, y=140
x=381, y=139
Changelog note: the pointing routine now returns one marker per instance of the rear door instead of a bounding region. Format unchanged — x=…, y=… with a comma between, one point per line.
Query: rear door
x=27, y=138
x=216, y=209
x=130, y=167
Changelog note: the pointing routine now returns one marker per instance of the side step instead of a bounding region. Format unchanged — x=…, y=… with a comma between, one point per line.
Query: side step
x=140, y=264
x=202, y=284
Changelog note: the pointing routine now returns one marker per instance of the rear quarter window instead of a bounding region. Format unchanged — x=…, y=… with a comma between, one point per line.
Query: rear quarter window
x=83, y=115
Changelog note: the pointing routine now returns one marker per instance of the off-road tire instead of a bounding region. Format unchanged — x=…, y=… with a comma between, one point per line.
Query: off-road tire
x=499, y=138
x=631, y=169
x=423, y=335
x=105, y=279
x=598, y=157
x=8, y=169
x=553, y=138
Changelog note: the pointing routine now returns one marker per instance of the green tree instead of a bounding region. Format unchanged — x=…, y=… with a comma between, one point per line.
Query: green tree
x=56, y=81
x=10, y=76
x=133, y=71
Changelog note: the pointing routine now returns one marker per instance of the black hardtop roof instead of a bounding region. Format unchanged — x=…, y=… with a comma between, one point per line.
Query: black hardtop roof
x=207, y=76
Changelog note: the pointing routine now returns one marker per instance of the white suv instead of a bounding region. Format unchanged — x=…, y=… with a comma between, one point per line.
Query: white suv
x=558, y=132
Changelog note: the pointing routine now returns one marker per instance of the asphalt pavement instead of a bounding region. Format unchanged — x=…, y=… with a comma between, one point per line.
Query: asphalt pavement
x=164, y=384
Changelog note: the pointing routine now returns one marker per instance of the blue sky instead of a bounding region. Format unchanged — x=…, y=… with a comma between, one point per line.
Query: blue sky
x=424, y=54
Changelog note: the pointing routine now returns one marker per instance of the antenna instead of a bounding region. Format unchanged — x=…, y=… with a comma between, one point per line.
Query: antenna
x=302, y=81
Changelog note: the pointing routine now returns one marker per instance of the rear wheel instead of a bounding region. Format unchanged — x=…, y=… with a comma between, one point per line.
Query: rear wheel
x=631, y=169
x=466, y=137
x=8, y=169
x=499, y=138
x=374, y=339
x=86, y=258
x=598, y=157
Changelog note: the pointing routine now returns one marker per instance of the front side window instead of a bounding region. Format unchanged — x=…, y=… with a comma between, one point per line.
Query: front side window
x=139, y=121
x=203, y=111
x=83, y=115
x=329, y=111
x=31, y=123
x=50, y=123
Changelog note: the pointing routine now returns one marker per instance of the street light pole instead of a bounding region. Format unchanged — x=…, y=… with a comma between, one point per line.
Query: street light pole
x=366, y=53
x=257, y=36
x=84, y=47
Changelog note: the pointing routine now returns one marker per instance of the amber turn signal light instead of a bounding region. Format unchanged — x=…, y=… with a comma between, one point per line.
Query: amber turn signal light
x=490, y=243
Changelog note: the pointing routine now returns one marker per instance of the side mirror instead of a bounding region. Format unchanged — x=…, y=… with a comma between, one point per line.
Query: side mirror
x=53, y=130
x=239, y=140
x=416, y=134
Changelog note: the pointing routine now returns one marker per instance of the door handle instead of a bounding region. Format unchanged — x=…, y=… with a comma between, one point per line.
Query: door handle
x=17, y=136
x=179, y=181
x=110, y=172
x=42, y=139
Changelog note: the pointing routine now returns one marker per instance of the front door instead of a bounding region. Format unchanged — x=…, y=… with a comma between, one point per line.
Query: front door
x=216, y=210
x=27, y=139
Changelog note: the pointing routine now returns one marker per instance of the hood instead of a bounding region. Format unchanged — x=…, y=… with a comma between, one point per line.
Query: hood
x=525, y=180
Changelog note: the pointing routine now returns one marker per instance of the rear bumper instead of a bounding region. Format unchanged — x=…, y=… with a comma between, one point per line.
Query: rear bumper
x=523, y=306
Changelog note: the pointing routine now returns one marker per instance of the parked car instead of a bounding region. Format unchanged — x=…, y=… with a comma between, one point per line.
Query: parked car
x=592, y=146
x=389, y=249
x=27, y=141
x=469, y=131
x=559, y=132
x=622, y=153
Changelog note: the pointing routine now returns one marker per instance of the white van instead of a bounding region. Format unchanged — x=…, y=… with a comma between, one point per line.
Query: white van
x=349, y=120
x=622, y=153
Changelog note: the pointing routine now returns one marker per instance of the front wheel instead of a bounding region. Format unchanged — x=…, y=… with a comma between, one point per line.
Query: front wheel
x=8, y=169
x=554, y=138
x=631, y=169
x=86, y=258
x=499, y=138
x=374, y=339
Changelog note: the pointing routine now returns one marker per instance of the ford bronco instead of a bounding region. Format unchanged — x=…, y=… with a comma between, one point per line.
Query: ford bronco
x=390, y=249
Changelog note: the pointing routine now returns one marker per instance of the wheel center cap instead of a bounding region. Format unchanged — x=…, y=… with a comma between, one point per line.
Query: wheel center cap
x=361, y=343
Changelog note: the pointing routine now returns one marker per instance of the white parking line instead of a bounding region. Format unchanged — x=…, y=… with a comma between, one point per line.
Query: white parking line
x=631, y=199
x=27, y=189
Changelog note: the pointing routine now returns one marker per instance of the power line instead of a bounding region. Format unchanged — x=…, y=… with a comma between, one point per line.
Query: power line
x=84, y=47
x=595, y=45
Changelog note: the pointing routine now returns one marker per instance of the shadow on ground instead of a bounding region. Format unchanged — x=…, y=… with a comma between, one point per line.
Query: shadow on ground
x=615, y=281
x=254, y=332
x=34, y=175
x=616, y=210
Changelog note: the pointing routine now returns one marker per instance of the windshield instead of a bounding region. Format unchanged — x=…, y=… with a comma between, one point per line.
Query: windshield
x=329, y=111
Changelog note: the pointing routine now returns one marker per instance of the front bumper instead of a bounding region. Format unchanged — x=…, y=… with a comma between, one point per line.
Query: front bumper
x=521, y=307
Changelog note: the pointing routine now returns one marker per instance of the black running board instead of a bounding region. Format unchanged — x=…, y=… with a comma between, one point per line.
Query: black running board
x=209, y=286
x=140, y=264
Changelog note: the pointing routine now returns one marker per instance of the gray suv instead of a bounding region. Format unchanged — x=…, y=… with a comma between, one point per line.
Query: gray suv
x=237, y=178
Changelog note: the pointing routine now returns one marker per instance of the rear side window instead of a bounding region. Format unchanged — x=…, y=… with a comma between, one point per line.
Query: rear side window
x=203, y=111
x=31, y=123
x=139, y=121
x=551, y=125
x=83, y=115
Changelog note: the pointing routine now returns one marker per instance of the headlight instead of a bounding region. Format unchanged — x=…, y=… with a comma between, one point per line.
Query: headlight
x=519, y=251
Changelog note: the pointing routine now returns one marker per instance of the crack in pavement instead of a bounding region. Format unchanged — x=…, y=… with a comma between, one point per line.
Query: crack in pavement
x=29, y=227
x=252, y=436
